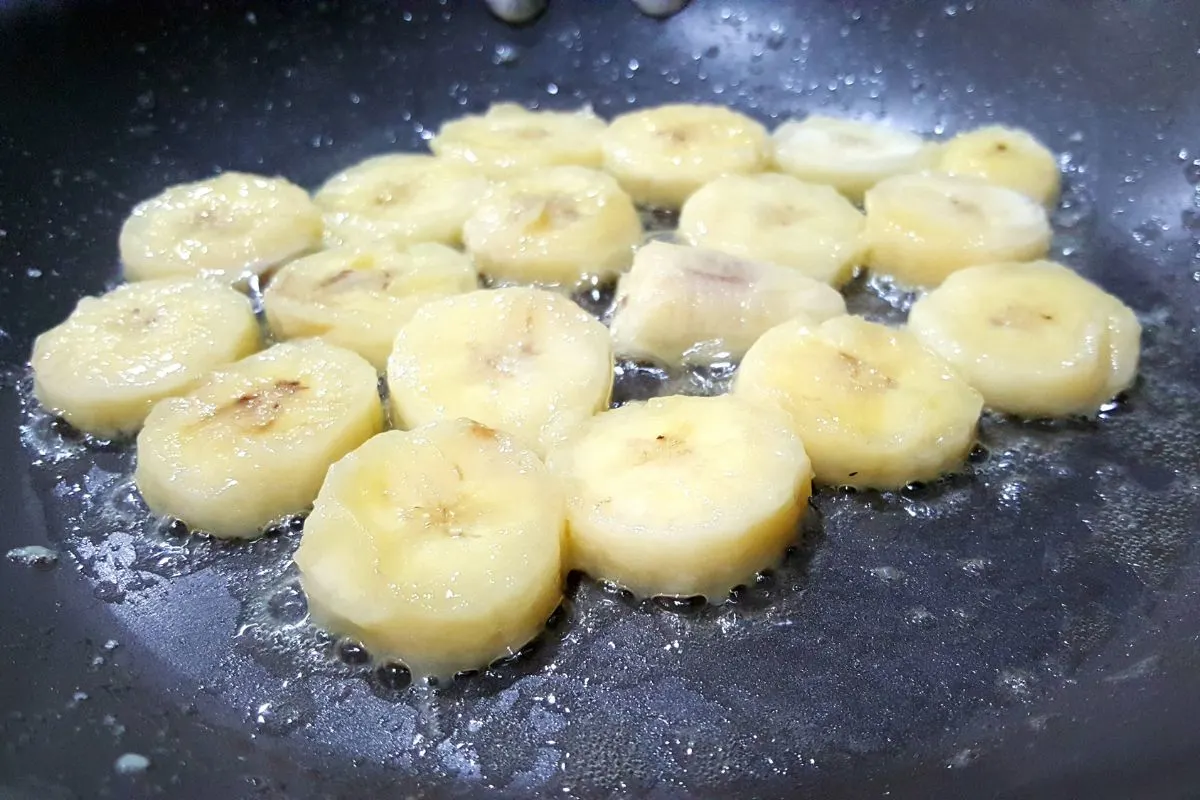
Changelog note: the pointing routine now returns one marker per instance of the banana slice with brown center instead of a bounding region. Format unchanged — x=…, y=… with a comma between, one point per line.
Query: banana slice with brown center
x=251, y=444
x=873, y=407
x=662, y=155
x=358, y=297
x=230, y=227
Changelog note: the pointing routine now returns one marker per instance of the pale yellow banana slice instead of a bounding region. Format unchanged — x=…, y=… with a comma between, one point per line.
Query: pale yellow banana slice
x=924, y=227
x=682, y=496
x=778, y=218
x=358, y=297
x=526, y=361
x=849, y=155
x=115, y=356
x=661, y=155
x=678, y=301
x=404, y=196
x=510, y=139
x=439, y=547
x=1035, y=339
x=250, y=444
x=554, y=226
x=230, y=226
x=874, y=408
x=1007, y=157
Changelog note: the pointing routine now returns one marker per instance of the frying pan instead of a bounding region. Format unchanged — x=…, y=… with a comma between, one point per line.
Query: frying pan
x=1027, y=629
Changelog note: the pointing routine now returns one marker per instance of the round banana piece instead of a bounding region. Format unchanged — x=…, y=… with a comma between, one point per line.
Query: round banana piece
x=1035, y=339
x=849, y=155
x=250, y=445
x=117, y=355
x=924, y=227
x=554, y=226
x=359, y=297
x=678, y=302
x=525, y=361
x=778, y=218
x=1007, y=157
x=874, y=408
x=682, y=496
x=230, y=226
x=405, y=196
x=438, y=547
x=661, y=155
x=510, y=139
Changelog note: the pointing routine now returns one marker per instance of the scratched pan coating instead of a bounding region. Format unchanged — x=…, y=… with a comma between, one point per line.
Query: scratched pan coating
x=1023, y=630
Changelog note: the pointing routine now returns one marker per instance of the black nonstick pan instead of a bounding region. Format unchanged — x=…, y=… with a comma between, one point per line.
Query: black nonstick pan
x=1030, y=629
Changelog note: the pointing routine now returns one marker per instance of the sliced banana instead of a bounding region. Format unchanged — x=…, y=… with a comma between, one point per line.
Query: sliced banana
x=526, y=361
x=359, y=297
x=439, y=547
x=1007, y=157
x=778, y=218
x=678, y=301
x=661, y=155
x=250, y=445
x=404, y=196
x=924, y=227
x=230, y=226
x=874, y=408
x=849, y=155
x=511, y=139
x=554, y=226
x=682, y=496
x=1035, y=339
x=117, y=355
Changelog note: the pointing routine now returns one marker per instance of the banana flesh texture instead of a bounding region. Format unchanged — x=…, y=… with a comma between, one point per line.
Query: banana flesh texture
x=554, y=226
x=682, y=302
x=510, y=139
x=849, y=155
x=251, y=444
x=115, y=356
x=1036, y=339
x=230, y=227
x=439, y=547
x=662, y=155
x=682, y=496
x=778, y=218
x=922, y=228
x=873, y=407
x=1007, y=157
x=358, y=297
x=402, y=196
x=525, y=361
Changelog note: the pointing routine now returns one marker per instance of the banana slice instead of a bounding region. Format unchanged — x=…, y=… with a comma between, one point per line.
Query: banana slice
x=554, y=226
x=230, y=227
x=678, y=301
x=509, y=139
x=778, y=218
x=874, y=408
x=117, y=355
x=526, y=361
x=1007, y=157
x=359, y=297
x=440, y=547
x=849, y=155
x=404, y=196
x=682, y=496
x=1035, y=339
x=251, y=444
x=924, y=227
x=661, y=155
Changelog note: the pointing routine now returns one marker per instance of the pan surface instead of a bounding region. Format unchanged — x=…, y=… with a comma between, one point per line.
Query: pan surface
x=1026, y=630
